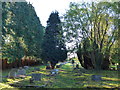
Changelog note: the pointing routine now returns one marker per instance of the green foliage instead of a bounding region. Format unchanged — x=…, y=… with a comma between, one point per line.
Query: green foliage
x=22, y=31
x=54, y=49
x=92, y=25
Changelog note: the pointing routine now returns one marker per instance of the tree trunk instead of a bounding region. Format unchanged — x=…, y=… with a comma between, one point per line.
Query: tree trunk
x=52, y=65
x=80, y=58
x=105, y=64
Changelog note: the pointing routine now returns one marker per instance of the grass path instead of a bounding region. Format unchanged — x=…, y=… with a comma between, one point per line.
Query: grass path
x=68, y=78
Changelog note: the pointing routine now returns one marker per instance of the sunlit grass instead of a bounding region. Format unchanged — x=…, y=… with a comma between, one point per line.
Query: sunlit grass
x=6, y=87
x=69, y=78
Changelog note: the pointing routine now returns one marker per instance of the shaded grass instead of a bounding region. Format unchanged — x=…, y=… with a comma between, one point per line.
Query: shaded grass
x=69, y=78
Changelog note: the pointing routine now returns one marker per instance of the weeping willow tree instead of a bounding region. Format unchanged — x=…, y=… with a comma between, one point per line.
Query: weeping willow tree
x=94, y=29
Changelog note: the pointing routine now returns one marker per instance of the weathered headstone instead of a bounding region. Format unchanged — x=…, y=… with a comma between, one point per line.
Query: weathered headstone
x=37, y=69
x=37, y=76
x=21, y=71
x=55, y=71
x=96, y=77
x=26, y=67
x=12, y=73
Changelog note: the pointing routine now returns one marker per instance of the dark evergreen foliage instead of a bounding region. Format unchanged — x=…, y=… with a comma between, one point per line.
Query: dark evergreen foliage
x=54, y=49
x=22, y=31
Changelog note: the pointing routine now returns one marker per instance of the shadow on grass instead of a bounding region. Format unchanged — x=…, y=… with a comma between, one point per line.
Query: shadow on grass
x=69, y=78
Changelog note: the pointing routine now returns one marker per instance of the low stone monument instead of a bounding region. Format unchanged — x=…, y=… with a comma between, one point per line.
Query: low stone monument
x=12, y=73
x=37, y=76
x=26, y=67
x=36, y=69
x=55, y=71
x=96, y=77
x=21, y=71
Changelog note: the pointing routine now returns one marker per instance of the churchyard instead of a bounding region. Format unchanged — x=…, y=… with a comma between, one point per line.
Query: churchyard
x=75, y=49
x=63, y=77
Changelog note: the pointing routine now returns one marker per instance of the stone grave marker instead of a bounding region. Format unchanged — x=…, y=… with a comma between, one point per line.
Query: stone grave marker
x=12, y=73
x=36, y=69
x=26, y=67
x=55, y=71
x=21, y=71
x=37, y=76
x=96, y=77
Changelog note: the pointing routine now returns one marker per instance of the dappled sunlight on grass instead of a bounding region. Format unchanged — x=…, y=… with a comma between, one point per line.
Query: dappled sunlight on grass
x=69, y=78
x=111, y=84
x=6, y=86
x=111, y=79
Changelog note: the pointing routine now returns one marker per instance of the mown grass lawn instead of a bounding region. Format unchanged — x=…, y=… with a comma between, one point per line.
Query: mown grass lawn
x=67, y=78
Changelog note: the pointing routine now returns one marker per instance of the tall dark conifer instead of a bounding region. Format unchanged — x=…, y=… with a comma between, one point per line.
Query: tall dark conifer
x=54, y=49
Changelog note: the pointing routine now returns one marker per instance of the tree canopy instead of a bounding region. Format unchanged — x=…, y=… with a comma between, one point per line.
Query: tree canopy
x=22, y=31
x=94, y=30
x=54, y=49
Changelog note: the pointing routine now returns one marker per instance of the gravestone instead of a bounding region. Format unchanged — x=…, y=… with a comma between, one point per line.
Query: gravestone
x=96, y=77
x=12, y=73
x=55, y=71
x=36, y=69
x=26, y=67
x=37, y=76
x=21, y=71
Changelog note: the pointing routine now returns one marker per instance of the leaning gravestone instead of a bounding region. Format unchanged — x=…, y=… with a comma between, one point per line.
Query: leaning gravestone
x=96, y=77
x=12, y=73
x=37, y=76
x=21, y=71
